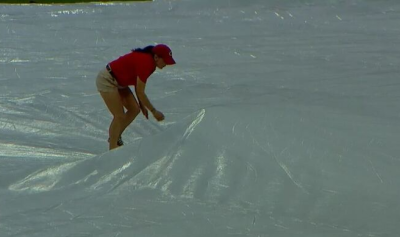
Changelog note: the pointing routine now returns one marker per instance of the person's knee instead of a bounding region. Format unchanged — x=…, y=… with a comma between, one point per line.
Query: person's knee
x=119, y=117
x=133, y=111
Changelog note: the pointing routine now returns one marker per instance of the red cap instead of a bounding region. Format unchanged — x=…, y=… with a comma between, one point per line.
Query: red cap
x=165, y=53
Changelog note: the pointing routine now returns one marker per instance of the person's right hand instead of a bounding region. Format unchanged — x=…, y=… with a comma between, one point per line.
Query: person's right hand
x=158, y=115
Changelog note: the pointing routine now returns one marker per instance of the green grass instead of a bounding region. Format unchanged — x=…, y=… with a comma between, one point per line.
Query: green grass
x=63, y=1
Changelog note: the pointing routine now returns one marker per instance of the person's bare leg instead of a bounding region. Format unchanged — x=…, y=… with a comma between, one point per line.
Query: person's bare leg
x=115, y=106
x=131, y=106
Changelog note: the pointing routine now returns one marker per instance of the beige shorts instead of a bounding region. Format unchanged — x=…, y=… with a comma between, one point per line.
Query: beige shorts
x=106, y=83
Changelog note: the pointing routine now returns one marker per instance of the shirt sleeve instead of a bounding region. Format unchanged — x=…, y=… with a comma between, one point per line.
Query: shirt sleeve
x=146, y=69
x=144, y=74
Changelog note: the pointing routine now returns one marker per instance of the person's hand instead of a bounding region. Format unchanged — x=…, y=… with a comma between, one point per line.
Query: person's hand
x=158, y=115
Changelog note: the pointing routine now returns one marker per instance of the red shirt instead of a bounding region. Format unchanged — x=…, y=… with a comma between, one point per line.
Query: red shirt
x=129, y=67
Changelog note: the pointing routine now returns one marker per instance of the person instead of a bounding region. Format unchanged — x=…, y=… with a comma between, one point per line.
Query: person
x=132, y=69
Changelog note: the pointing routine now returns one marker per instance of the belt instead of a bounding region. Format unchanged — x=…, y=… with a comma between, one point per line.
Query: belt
x=110, y=71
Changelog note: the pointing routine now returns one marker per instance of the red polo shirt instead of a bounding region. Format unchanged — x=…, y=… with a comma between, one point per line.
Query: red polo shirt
x=129, y=67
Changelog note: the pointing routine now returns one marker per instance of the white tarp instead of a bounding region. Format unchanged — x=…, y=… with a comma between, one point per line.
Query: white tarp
x=282, y=119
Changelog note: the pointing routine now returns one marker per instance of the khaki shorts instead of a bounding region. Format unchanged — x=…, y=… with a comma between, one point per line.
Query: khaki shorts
x=106, y=83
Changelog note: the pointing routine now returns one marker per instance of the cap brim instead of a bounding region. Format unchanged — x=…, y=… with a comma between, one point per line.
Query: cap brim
x=169, y=61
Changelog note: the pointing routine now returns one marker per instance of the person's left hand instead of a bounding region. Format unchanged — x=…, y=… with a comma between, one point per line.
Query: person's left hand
x=158, y=115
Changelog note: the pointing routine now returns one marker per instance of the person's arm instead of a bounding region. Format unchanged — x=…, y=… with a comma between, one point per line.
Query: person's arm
x=145, y=102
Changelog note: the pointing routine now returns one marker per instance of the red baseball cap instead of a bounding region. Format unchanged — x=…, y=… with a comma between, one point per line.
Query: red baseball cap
x=165, y=53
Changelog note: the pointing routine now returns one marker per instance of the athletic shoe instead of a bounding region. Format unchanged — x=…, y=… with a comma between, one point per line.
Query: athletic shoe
x=119, y=142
